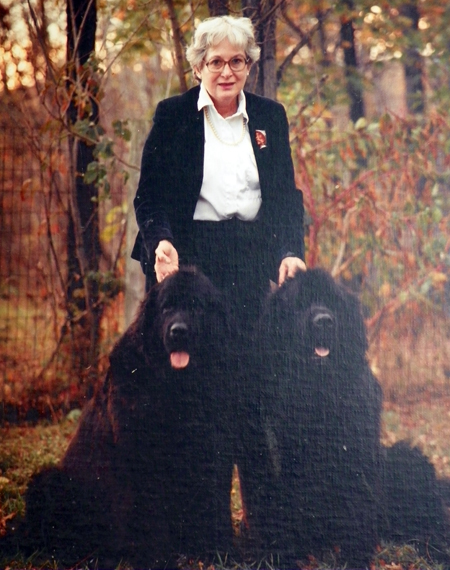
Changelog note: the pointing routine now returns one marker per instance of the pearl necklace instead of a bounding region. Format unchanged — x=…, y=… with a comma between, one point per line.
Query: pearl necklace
x=215, y=133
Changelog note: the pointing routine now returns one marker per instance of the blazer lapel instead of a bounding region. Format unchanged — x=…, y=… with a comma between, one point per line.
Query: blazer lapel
x=197, y=149
x=190, y=147
x=259, y=121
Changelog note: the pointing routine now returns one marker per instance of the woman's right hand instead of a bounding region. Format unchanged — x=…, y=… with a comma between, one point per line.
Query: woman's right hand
x=166, y=260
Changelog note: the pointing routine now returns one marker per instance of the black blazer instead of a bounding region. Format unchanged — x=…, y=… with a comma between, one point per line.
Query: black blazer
x=172, y=174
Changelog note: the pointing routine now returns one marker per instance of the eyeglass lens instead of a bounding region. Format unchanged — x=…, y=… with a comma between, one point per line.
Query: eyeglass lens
x=217, y=64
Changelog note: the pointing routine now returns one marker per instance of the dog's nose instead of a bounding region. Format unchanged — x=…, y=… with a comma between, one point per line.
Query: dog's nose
x=322, y=331
x=323, y=320
x=178, y=331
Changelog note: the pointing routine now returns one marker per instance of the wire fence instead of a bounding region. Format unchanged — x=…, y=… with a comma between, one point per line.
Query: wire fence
x=410, y=355
x=33, y=228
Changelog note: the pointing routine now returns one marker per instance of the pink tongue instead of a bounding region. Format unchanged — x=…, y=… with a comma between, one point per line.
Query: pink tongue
x=322, y=352
x=179, y=359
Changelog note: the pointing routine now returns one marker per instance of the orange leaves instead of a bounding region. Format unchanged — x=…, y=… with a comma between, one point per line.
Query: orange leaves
x=378, y=216
x=375, y=202
x=438, y=279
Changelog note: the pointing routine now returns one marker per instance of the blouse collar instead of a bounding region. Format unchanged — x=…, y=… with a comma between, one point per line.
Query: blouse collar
x=204, y=100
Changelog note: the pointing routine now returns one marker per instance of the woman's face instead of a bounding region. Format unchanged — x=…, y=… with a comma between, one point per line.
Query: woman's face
x=224, y=86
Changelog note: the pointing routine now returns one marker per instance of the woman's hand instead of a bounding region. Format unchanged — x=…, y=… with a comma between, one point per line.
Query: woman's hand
x=166, y=260
x=289, y=267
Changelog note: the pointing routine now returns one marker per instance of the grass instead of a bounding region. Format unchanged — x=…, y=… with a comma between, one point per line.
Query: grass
x=24, y=450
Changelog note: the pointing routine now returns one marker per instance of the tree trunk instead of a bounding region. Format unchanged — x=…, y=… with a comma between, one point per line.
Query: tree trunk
x=321, y=16
x=263, y=76
x=218, y=7
x=83, y=243
x=179, y=46
x=413, y=62
x=354, y=85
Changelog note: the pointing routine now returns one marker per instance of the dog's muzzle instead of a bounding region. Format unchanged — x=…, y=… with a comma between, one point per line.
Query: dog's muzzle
x=177, y=344
x=322, y=331
x=178, y=333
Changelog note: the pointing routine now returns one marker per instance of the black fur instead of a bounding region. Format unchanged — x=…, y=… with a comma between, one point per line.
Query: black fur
x=147, y=476
x=415, y=502
x=312, y=482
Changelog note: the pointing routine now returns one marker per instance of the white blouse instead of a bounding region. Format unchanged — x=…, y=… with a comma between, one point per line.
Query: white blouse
x=230, y=185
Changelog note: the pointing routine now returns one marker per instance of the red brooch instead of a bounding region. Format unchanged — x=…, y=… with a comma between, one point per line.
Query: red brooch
x=261, y=139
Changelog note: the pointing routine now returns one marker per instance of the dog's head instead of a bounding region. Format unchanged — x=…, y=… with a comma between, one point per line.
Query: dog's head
x=186, y=317
x=317, y=320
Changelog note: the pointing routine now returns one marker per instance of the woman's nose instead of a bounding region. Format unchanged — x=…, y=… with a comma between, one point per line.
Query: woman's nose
x=227, y=69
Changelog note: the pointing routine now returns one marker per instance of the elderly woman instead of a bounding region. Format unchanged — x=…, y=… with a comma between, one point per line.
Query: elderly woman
x=217, y=182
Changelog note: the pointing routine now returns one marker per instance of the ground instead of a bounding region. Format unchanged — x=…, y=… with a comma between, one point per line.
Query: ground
x=25, y=449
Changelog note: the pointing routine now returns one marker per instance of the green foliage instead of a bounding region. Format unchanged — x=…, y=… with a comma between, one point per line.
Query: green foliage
x=108, y=285
x=95, y=172
x=105, y=155
x=93, y=134
x=121, y=130
x=107, y=162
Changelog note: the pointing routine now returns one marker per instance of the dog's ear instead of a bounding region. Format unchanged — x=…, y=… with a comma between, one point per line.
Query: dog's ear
x=149, y=311
x=277, y=302
x=271, y=326
x=130, y=348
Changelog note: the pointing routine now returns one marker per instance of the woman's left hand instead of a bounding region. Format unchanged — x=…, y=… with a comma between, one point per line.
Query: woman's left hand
x=289, y=267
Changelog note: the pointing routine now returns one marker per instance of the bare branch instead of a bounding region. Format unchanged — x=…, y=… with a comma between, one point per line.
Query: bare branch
x=291, y=23
x=305, y=39
x=41, y=40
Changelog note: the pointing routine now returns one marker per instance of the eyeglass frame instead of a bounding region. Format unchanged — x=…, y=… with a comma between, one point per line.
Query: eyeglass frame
x=246, y=60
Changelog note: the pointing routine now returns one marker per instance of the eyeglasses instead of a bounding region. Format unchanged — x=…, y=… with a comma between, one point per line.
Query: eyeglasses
x=216, y=64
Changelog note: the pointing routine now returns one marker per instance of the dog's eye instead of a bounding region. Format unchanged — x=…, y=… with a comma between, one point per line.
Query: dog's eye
x=196, y=305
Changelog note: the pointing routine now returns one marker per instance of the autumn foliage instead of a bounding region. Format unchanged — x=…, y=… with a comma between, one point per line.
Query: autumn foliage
x=375, y=191
x=378, y=216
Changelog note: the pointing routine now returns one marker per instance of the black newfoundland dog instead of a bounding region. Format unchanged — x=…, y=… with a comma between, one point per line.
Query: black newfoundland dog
x=312, y=481
x=316, y=479
x=147, y=475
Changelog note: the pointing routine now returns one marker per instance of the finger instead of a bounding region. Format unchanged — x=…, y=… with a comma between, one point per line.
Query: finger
x=163, y=271
x=159, y=271
x=161, y=275
x=162, y=257
x=292, y=270
x=301, y=266
x=282, y=275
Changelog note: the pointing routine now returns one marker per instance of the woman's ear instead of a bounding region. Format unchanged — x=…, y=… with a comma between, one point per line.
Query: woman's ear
x=197, y=73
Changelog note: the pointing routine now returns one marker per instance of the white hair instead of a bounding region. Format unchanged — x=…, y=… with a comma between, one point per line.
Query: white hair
x=238, y=31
